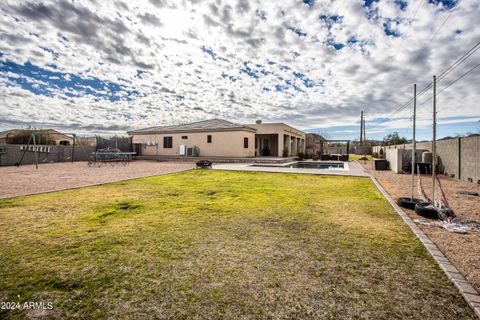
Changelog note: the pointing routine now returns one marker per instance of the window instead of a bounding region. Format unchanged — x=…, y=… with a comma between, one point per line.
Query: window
x=167, y=142
x=209, y=139
x=245, y=142
x=184, y=137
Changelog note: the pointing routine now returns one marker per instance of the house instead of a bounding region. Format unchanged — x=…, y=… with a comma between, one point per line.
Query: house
x=44, y=136
x=219, y=138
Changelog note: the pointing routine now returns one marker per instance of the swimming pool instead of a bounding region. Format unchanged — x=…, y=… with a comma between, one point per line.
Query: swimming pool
x=307, y=165
x=317, y=165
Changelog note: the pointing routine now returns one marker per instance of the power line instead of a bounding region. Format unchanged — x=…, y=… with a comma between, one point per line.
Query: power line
x=453, y=82
x=452, y=67
x=435, y=34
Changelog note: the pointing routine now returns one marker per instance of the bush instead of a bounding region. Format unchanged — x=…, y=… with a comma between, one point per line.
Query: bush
x=285, y=152
x=301, y=155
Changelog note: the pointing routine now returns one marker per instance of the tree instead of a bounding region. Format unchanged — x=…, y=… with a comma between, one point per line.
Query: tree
x=393, y=138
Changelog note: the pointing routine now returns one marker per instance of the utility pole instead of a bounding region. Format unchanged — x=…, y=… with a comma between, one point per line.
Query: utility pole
x=414, y=142
x=361, y=128
x=434, y=151
x=364, y=131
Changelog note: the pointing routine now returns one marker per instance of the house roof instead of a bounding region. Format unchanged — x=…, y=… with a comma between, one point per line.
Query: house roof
x=206, y=125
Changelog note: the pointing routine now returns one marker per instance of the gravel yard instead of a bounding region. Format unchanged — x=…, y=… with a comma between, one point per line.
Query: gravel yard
x=26, y=179
x=463, y=250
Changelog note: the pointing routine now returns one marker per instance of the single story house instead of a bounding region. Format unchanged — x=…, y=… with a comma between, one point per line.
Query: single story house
x=219, y=138
x=44, y=136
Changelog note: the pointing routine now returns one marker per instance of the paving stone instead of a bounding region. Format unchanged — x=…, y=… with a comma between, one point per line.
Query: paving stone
x=473, y=297
x=456, y=276
x=466, y=287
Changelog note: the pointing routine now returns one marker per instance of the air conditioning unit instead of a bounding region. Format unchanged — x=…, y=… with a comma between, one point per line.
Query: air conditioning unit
x=193, y=151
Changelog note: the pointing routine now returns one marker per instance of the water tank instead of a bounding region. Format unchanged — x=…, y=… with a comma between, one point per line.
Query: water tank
x=427, y=157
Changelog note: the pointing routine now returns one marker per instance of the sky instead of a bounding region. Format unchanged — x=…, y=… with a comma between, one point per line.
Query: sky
x=110, y=66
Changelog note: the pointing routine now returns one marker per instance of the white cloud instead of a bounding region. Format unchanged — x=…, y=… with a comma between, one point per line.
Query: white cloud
x=111, y=41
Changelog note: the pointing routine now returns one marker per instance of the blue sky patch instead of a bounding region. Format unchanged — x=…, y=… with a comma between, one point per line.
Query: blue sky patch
x=446, y=4
x=402, y=4
x=49, y=83
x=309, y=3
x=389, y=30
x=331, y=20
x=298, y=31
x=212, y=54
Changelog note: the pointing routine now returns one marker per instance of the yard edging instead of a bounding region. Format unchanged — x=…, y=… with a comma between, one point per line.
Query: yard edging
x=466, y=289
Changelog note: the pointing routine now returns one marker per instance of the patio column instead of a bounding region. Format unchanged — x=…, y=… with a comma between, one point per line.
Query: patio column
x=280, y=144
x=286, y=143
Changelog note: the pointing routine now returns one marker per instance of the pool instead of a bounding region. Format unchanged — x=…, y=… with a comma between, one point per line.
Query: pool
x=317, y=165
x=307, y=165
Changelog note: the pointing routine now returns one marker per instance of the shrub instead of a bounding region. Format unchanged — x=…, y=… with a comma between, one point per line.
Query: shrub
x=301, y=155
x=285, y=152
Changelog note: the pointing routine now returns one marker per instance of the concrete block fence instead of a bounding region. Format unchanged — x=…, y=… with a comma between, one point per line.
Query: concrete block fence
x=459, y=157
x=10, y=154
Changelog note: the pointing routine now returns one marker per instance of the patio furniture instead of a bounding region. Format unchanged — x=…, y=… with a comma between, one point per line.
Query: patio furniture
x=204, y=164
x=335, y=157
x=325, y=157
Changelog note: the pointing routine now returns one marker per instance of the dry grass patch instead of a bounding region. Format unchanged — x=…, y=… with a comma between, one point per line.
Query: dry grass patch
x=211, y=244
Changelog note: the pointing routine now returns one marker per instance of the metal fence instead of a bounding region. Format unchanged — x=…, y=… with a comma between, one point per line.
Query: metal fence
x=124, y=144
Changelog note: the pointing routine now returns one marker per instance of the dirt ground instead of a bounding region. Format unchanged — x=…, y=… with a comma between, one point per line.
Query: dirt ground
x=58, y=176
x=463, y=250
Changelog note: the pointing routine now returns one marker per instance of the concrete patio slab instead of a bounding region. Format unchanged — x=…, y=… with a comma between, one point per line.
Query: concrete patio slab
x=351, y=169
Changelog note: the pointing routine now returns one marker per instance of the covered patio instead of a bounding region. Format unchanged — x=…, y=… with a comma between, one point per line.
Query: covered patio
x=272, y=139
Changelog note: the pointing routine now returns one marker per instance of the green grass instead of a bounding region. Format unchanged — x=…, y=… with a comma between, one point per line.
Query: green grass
x=219, y=245
x=353, y=157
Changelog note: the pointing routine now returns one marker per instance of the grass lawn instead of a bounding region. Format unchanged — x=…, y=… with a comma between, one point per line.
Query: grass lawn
x=353, y=157
x=213, y=244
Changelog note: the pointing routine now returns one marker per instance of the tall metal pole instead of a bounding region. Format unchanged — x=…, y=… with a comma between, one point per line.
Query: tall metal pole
x=414, y=146
x=361, y=128
x=364, y=133
x=434, y=151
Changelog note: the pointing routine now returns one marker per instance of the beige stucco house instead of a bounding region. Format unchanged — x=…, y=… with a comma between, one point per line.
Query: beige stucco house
x=219, y=138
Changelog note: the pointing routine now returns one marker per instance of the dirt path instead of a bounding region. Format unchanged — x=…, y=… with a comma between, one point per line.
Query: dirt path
x=58, y=176
x=463, y=250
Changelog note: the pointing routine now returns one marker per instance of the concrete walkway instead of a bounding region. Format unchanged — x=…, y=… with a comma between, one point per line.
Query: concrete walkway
x=351, y=169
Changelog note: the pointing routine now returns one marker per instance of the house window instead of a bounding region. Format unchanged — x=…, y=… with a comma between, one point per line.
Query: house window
x=209, y=139
x=167, y=142
x=245, y=142
x=184, y=137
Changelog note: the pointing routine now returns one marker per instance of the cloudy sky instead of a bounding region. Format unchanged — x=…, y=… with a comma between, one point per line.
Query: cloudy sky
x=109, y=66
